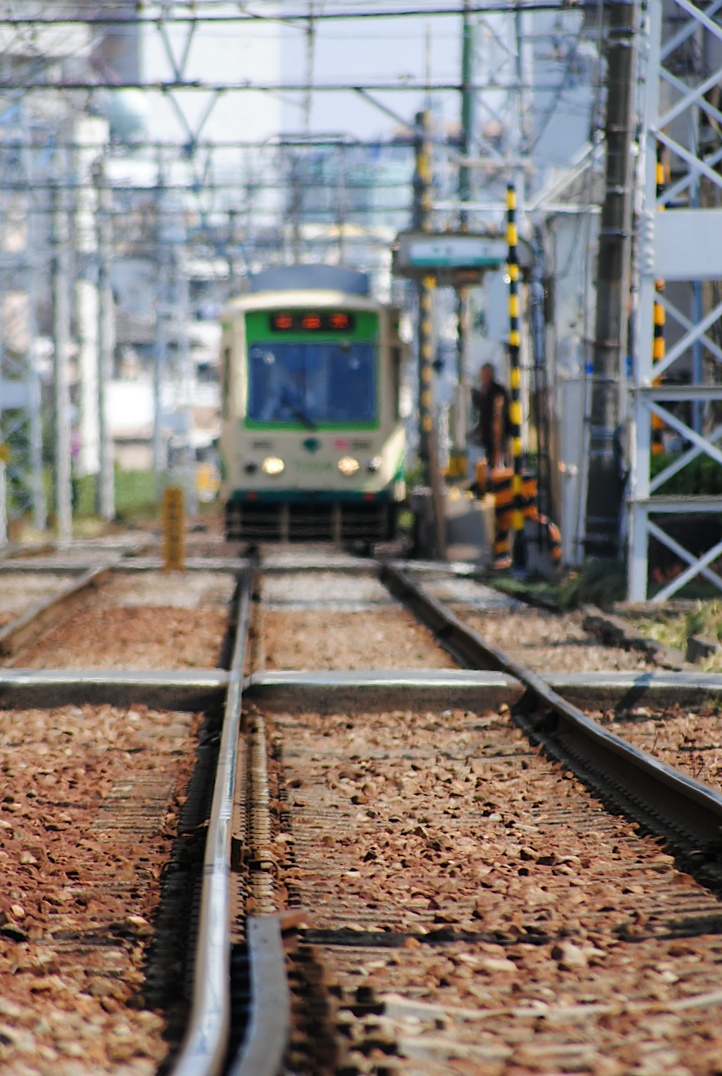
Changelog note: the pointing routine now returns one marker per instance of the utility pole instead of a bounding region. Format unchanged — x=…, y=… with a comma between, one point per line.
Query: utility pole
x=91, y=136
x=458, y=461
x=61, y=342
x=467, y=110
x=310, y=47
x=604, y=479
x=160, y=458
x=105, y=490
x=435, y=540
x=422, y=223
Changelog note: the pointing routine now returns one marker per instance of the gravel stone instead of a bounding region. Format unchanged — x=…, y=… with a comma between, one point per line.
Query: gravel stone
x=378, y=639
x=552, y=936
x=121, y=625
x=21, y=590
x=88, y=895
x=547, y=642
x=327, y=589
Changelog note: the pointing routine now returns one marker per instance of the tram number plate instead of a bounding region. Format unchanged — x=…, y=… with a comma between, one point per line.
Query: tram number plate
x=173, y=529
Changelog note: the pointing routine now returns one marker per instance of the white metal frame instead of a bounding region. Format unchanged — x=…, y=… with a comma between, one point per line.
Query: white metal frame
x=20, y=264
x=659, y=233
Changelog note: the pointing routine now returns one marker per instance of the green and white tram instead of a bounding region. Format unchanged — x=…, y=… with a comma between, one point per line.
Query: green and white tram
x=312, y=443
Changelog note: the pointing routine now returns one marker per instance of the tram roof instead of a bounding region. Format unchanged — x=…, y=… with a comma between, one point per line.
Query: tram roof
x=311, y=278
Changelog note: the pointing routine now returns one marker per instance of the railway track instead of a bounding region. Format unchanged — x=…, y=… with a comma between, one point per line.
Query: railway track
x=443, y=863
x=405, y=869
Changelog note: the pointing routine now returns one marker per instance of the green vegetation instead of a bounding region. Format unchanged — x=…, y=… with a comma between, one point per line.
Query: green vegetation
x=598, y=582
x=135, y=496
x=701, y=477
x=415, y=475
x=705, y=618
x=675, y=629
x=545, y=590
x=667, y=628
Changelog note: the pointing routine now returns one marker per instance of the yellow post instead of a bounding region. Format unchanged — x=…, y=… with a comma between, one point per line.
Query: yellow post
x=515, y=411
x=658, y=352
x=173, y=529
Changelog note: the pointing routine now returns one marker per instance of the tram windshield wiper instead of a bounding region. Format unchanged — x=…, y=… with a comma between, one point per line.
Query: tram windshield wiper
x=303, y=418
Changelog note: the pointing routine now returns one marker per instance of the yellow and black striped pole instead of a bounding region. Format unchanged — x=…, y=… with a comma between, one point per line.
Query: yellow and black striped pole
x=425, y=345
x=514, y=363
x=422, y=222
x=658, y=346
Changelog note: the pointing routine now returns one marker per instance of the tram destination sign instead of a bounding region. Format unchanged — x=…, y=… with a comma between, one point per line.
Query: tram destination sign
x=454, y=258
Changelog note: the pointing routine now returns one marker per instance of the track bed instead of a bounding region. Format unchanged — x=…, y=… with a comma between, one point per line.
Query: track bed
x=87, y=827
x=494, y=912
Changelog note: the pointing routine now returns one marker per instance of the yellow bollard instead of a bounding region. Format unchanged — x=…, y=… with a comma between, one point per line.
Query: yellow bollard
x=173, y=529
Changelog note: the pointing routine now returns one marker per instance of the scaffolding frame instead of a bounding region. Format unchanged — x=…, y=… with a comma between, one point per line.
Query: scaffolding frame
x=682, y=116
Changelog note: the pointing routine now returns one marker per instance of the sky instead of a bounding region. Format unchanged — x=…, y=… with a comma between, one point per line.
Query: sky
x=365, y=51
x=275, y=51
x=272, y=51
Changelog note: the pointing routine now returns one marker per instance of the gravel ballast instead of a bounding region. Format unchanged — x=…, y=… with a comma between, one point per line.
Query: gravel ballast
x=82, y=884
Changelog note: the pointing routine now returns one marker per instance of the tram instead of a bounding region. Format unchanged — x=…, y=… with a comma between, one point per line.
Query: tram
x=312, y=441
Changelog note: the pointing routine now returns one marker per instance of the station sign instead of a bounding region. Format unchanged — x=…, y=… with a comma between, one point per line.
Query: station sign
x=458, y=251
x=453, y=258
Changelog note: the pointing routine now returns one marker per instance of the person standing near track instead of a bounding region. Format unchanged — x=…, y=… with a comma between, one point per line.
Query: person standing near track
x=491, y=404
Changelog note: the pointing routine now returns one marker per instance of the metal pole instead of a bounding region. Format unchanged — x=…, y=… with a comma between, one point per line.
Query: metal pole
x=467, y=108
x=186, y=376
x=91, y=136
x=61, y=341
x=605, y=486
x=105, y=491
x=159, y=455
x=3, y=503
x=422, y=222
x=458, y=461
x=36, y=423
x=658, y=345
x=641, y=432
x=515, y=415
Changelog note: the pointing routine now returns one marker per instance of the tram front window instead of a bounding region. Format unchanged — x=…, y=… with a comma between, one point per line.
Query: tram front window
x=312, y=384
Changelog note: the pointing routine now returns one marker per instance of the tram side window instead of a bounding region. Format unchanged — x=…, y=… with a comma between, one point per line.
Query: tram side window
x=226, y=381
x=396, y=381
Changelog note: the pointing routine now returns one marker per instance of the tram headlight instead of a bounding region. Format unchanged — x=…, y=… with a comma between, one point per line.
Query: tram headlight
x=272, y=465
x=374, y=465
x=250, y=466
x=347, y=465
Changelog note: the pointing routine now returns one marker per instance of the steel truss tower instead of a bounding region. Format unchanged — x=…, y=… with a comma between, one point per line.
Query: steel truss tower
x=23, y=255
x=681, y=71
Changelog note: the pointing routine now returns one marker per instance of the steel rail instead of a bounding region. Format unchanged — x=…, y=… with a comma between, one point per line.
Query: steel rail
x=269, y=1027
x=670, y=803
x=31, y=623
x=203, y=1052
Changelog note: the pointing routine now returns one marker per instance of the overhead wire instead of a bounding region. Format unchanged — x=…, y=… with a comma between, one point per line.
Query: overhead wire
x=301, y=17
